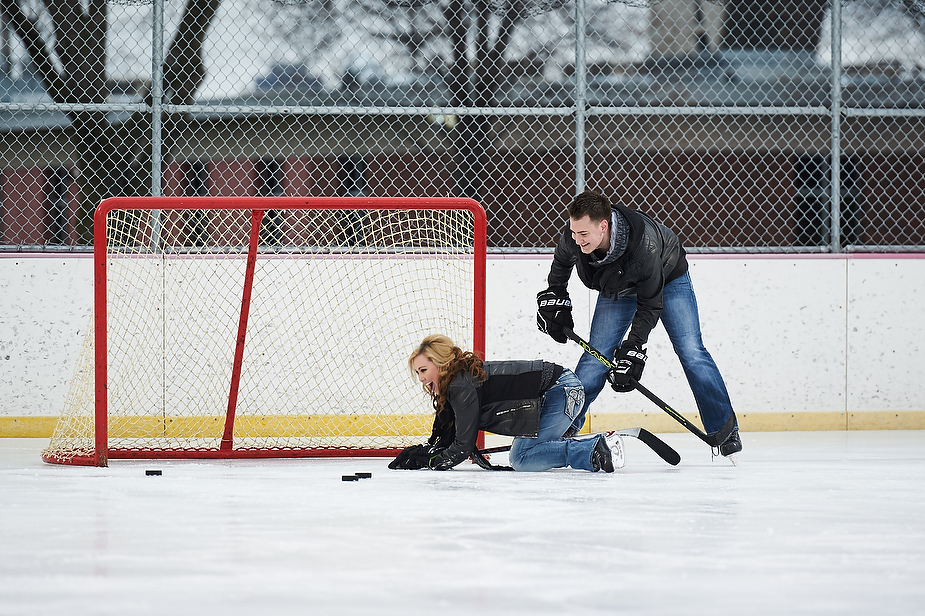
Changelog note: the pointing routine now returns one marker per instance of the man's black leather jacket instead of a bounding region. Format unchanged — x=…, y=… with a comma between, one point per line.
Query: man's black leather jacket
x=653, y=257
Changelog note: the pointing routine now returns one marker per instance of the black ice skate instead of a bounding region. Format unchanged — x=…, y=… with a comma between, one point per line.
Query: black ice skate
x=601, y=458
x=732, y=446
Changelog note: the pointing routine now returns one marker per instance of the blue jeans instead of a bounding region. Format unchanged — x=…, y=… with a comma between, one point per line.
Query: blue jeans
x=612, y=318
x=561, y=405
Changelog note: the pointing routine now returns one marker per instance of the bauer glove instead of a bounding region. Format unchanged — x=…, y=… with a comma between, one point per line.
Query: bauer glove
x=554, y=313
x=628, y=365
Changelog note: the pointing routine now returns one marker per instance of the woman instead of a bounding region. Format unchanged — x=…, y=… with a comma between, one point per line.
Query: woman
x=534, y=401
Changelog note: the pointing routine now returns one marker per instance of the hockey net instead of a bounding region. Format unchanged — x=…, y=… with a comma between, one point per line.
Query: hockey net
x=268, y=327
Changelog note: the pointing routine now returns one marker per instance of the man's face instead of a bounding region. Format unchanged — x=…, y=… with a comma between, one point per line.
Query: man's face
x=590, y=235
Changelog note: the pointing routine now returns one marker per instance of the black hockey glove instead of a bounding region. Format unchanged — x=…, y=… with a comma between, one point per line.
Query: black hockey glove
x=554, y=313
x=414, y=457
x=441, y=462
x=629, y=363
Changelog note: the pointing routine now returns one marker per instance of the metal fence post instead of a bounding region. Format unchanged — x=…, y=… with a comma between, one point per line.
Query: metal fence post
x=835, y=165
x=580, y=95
x=157, y=95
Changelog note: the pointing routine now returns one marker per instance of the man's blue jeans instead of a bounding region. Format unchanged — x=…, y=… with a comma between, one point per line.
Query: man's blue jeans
x=612, y=318
x=561, y=405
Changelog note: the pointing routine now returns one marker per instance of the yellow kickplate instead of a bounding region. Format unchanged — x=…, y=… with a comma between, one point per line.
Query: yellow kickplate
x=27, y=427
x=386, y=425
x=823, y=421
x=245, y=426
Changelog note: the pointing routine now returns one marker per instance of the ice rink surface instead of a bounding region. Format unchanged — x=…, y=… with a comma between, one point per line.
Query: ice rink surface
x=808, y=523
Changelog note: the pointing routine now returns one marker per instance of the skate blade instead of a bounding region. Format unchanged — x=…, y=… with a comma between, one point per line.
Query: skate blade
x=734, y=458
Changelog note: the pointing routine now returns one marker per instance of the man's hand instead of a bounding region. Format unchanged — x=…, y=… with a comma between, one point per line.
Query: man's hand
x=628, y=366
x=554, y=313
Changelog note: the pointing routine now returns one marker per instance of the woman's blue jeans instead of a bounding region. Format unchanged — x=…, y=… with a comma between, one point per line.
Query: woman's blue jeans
x=561, y=405
x=612, y=318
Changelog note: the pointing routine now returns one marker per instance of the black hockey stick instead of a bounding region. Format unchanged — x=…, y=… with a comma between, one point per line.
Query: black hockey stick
x=663, y=449
x=478, y=456
x=713, y=440
x=660, y=447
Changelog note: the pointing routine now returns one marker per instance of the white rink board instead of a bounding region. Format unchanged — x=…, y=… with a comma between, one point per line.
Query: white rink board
x=778, y=328
x=46, y=303
x=886, y=334
x=790, y=334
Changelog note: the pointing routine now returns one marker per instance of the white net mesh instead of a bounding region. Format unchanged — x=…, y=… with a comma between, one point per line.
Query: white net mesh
x=339, y=299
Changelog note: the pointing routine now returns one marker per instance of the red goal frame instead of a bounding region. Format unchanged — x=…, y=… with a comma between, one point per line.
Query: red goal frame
x=256, y=206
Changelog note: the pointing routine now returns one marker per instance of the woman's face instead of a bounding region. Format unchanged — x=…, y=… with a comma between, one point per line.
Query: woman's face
x=427, y=371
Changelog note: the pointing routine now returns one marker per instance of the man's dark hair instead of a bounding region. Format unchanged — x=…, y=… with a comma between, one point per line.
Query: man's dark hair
x=592, y=204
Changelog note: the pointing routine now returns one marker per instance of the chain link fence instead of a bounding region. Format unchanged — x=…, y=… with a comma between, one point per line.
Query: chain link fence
x=722, y=119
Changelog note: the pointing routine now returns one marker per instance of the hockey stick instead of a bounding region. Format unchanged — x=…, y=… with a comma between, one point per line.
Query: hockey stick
x=660, y=447
x=478, y=456
x=713, y=440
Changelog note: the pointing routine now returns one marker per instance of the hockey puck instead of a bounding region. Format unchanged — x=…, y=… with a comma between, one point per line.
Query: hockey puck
x=364, y=475
x=152, y=473
x=349, y=478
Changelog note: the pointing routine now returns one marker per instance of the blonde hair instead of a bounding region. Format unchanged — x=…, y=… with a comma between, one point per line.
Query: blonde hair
x=450, y=361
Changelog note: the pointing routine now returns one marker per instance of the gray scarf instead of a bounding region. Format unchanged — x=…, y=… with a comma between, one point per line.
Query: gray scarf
x=619, y=235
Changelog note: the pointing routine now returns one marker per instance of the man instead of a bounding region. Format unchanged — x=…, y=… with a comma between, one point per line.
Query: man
x=639, y=268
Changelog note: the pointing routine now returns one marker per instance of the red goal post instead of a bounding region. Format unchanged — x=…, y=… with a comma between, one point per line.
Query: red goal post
x=247, y=327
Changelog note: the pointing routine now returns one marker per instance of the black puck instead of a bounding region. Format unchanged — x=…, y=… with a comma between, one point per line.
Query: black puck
x=349, y=478
x=364, y=475
x=151, y=473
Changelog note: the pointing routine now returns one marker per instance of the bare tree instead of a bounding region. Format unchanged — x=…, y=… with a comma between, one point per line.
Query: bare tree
x=463, y=40
x=310, y=28
x=787, y=25
x=66, y=43
x=476, y=35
